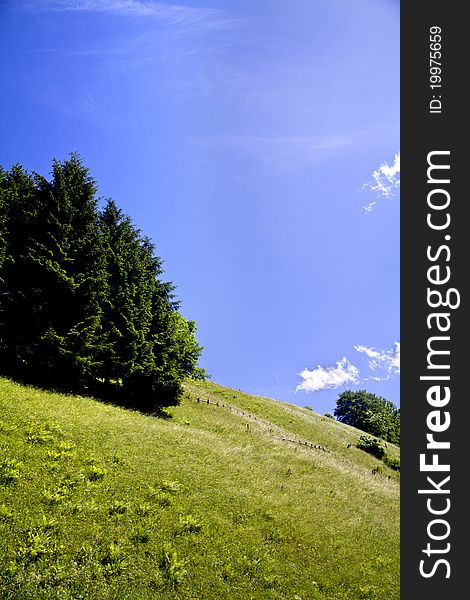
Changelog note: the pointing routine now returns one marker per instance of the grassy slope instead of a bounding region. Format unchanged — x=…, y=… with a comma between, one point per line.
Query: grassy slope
x=104, y=502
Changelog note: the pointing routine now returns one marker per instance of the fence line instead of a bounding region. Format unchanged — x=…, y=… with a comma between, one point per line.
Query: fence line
x=252, y=417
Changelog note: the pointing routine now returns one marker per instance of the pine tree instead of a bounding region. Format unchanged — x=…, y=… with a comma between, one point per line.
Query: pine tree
x=3, y=221
x=82, y=303
x=21, y=298
x=127, y=306
x=53, y=275
x=67, y=251
x=148, y=346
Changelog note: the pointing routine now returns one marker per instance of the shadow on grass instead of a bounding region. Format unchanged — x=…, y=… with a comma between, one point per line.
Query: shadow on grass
x=110, y=393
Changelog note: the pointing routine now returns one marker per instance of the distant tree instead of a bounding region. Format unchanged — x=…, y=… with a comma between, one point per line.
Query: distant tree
x=370, y=413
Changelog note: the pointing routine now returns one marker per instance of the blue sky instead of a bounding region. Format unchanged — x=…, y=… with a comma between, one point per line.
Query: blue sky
x=257, y=144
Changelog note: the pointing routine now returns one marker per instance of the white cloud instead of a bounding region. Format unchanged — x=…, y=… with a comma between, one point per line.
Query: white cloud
x=333, y=377
x=369, y=207
x=386, y=179
x=384, y=363
x=386, y=360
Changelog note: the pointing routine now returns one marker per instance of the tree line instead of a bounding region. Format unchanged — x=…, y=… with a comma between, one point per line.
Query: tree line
x=370, y=413
x=83, y=306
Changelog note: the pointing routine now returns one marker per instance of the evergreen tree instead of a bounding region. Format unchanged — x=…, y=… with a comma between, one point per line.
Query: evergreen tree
x=147, y=345
x=128, y=303
x=66, y=251
x=21, y=298
x=82, y=304
x=3, y=221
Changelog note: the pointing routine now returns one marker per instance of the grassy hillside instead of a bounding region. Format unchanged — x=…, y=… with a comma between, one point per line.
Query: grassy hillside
x=239, y=498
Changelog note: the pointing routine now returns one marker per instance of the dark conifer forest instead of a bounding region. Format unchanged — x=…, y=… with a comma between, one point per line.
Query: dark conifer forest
x=84, y=306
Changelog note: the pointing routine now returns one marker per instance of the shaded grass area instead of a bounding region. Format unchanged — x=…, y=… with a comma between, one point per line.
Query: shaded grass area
x=101, y=502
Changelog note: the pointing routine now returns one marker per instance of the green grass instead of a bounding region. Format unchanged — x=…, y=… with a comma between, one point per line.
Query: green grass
x=99, y=502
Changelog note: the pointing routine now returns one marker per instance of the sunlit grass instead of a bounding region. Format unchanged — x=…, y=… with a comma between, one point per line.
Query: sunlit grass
x=101, y=502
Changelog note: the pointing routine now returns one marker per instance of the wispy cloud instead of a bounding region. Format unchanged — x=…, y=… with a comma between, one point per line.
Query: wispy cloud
x=286, y=152
x=385, y=180
x=369, y=207
x=332, y=377
x=387, y=361
x=153, y=50
x=180, y=15
x=384, y=363
x=123, y=7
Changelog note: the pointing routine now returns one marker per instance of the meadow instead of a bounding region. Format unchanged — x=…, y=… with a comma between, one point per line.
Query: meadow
x=226, y=496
